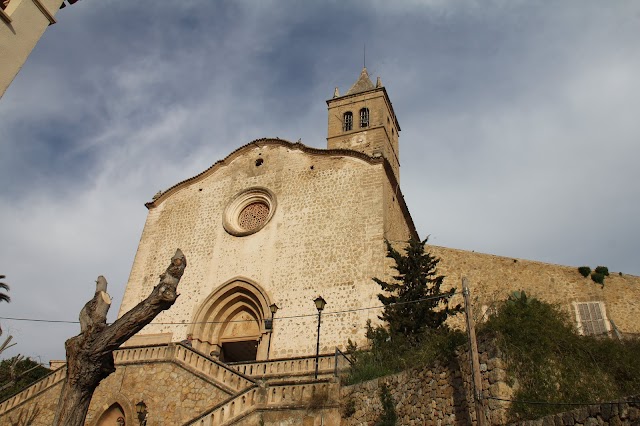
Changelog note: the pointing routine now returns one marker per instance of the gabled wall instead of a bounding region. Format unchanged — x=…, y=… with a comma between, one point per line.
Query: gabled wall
x=334, y=208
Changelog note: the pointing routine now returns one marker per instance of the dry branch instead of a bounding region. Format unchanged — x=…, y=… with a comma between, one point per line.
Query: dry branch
x=90, y=354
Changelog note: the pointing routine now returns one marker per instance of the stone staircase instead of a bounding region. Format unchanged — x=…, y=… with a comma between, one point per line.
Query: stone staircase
x=283, y=383
x=280, y=396
x=228, y=379
x=34, y=390
x=251, y=386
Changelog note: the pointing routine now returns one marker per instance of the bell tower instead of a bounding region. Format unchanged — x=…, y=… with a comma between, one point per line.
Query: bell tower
x=363, y=120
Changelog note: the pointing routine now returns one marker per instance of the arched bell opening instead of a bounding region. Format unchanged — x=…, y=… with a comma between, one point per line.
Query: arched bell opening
x=230, y=323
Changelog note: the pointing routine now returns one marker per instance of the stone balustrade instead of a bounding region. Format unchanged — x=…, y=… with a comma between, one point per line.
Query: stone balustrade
x=35, y=389
x=302, y=366
x=232, y=408
x=274, y=394
x=231, y=378
x=292, y=393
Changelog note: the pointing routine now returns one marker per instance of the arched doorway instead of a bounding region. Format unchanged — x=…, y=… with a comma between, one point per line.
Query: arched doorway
x=113, y=416
x=230, y=322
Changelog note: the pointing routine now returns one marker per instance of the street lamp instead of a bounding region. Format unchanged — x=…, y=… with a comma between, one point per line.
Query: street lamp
x=141, y=409
x=273, y=308
x=320, y=303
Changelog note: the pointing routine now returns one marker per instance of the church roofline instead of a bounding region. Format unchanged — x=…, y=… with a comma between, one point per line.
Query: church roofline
x=301, y=147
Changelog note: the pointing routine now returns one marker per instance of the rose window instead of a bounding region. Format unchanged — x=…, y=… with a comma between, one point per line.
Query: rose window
x=253, y=216
x=249, y=211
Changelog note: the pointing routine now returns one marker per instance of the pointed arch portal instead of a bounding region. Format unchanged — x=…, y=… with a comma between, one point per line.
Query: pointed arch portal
x=230, y=322
x=113, y=416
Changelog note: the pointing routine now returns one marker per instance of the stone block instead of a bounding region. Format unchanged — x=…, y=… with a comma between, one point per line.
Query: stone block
x=497, y=375
x=499, y=389
x=581, y=414
x=606, y=412
x=567, y=419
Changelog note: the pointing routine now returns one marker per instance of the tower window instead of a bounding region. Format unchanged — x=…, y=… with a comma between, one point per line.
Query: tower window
x=347, y=122
x=364, y=117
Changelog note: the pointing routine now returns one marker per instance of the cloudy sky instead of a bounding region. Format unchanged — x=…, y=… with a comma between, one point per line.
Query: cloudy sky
x=520, y=127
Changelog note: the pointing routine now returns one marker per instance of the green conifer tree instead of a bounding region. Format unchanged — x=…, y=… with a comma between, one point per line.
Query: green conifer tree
x=414, y=303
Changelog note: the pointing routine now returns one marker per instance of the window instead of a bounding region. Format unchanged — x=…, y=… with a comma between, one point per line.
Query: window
x=347, y=121
x=364, y=117
x=249, y=211
x=592, y=319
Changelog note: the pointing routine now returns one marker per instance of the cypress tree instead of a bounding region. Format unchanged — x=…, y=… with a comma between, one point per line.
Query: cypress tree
x=414, y=303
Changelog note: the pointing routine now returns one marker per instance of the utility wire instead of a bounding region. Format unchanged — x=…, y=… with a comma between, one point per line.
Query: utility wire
x=440, y=296
x=561, y=403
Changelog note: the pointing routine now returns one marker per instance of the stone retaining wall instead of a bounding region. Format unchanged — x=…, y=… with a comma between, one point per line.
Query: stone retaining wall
x=442, y=394
x=626, y=412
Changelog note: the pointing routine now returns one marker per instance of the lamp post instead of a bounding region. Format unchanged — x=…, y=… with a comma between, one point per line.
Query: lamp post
x=141, y=409
x=320, y=303
x=273, y=308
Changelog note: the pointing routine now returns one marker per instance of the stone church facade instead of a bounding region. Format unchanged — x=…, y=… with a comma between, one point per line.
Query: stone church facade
x=280, y=223
x=277, y=223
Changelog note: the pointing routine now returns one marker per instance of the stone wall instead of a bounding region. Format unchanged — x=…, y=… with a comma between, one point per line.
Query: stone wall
x=441, y=394
x=493, y=278
x=626, y=412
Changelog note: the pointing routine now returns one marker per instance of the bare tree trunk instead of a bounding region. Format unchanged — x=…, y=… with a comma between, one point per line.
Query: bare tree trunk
x=90, y=354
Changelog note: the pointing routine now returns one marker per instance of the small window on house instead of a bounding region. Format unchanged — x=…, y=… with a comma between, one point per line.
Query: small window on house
x=591, y=318
x=364, y=117
x=347, y=121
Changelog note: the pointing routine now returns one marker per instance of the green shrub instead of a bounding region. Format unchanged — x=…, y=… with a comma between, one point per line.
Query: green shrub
x=584, y=271
x=597, y=277
x=392, y=354
x=553, y=364
x=602, y=270
x=389, y=416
